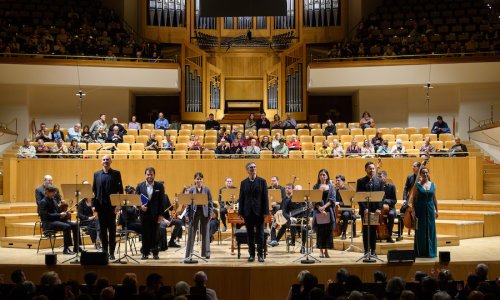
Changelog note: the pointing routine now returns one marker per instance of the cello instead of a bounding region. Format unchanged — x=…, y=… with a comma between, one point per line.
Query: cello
x=383, y=228
x=409, y=221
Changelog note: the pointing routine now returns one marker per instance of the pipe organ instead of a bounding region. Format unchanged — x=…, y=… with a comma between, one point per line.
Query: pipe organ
x=215, y=92
x=321, y=13
x=169, y=13
x=272, y=91
x=202, y=22
x=193, y=90
x=293, y=86
x=288, y=21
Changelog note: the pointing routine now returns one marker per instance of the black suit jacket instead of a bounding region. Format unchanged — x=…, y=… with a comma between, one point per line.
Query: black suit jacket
x=49, y=211
x=410, y=180
x=253, y=198
x=365, y=185
x=260, y=125
x=40, y=194
x=102, y=200
x=156, y=202
x=390, y=195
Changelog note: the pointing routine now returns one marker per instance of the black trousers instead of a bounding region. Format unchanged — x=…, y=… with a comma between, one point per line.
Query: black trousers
x=390, y=221
x=345, y=217
x=150, y=229
x=255, y=231
x=67, y=228
x=107, y=222
x=223, y=214
x=92, y=228
x=373, y=237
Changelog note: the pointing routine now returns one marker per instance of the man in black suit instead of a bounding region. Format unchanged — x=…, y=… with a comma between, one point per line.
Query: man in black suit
x=152, y=213
x=390, y=199
x=107, y=182
x=410, y=181
x=40, y=191
x=53, y=219
x=369, y=183
x=253, y=207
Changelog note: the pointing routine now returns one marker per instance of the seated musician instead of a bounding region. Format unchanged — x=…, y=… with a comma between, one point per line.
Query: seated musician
x=175, y=219
x=223, y=206
x=291, y=211
x=129, y=215
x=275, y=185
x=53, y=219
x=87, y=219
x=390, y=199
x=346, y=214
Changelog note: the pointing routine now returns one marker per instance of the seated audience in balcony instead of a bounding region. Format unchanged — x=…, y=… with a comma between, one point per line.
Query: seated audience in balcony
x=249, y=138
x=251, y=123
x=458, y=149
x=252, y=150
x=133, y=124
x=167, y=144
x=377, y=140
x=115, y=136
x=330, y=128
x=265, y=144
x=337, y=149
x=223, y=149
x=74, y=150
x=398, y=150
x=26, y=150
x=367, y=150
x=42, y=151
x=366, y=121
x=60, y=150
x=57, y=134
x=161, y=122
x=222, y=134
x=121, y=129
x=353, y=149
x=276, y=140
x=276, y=123
x=281, y=151
x=289, y=122
x=384, y=149
x=43, y=133
x=427, y=147
x=87, y=136
x=74, y=133
x=101, y=136
x=194, y=143
x=236, y=147
x=324, y=151
x=440, y=126
x=99, y=123
x=152, y=143
x=233, y=134
x=211, y=123
x=263, y=122
x=293, y=143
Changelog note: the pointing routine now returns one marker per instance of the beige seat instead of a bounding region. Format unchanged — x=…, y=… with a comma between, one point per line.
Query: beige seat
x=449, y=144
x=227, y=126
x=295, y=154
x=403, y=137
x=165, y=155
x=183, y=139
x=142, y=139
x=343, y=131
x=305, y=138
x=301, y=125
x=290, y=132
x=199, y=132
x=319, y=138
x=124, y=146
x=307, y=146
x=210, y=139
x=210, y=146
x=181, y=147
x=353, y=125
x=193, y=154
x=416, y=137
x=137, y=146
x=424, y=130
x=150, y=155
x=410, y=130
x=316, y=131
x=187, y=126
x=93, y=146
x=89, y=154
x=438, y=145
x=185, y=132
x=265, y=131
x=149, y=126
x=445, y=137
x=179, y=154
x=397, y=130
x=130, y=139
x=121, y=154
x=309, y=154
x=266, y=154
x=159, y=132
x=133, y=132
x=408, y=144
x=369, y=131
x=135, y=154
x=199, y=126
x=413, y=152
x=210, y=132
x=346, y=138
x=208, y=154
x=389, y=137
x=432, y=136
x=340, y=125
x=146, y=132
x=356, y=131
x=419, y=144
x=303, y=131
x=83, y=146
x=172, y=132
x=247, y=131
x=315, y=125
x=384, y=130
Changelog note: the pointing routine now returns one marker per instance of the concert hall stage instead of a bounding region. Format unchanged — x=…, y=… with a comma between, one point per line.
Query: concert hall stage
x=235, y=278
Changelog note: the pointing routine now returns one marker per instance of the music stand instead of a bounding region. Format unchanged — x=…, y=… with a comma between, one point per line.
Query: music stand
x=274, y=195
x=368, y=197
x=79, y=191
x=193, y=199
x=347, y=196
x=232, y=196
x=309, y=197
x=125, y=200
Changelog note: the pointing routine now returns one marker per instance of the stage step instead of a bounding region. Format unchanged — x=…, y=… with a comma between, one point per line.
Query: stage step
x=491, y=197
x=469, y=205
x=31, y=242
x=383, y=247
x=462, y=229
x=16, y=208
x=21, y=229
x=491, y=219
x=6, y=219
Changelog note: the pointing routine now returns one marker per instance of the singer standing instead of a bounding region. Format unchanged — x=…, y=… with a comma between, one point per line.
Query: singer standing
x=152, y=213
x=199, y=215
x=369, y=183
x=107, y=182
x=253, y=207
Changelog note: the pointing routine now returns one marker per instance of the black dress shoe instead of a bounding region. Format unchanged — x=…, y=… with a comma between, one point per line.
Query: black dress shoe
x=68, y=252
x=390, y=240
x=261, y=258
x=144, y=257
x=207, y=257
x=374, y=254
x=111, y=257
x=155, y=256
x=251, y=258
x=302, y=250
x=173, y=244
x=343, y=236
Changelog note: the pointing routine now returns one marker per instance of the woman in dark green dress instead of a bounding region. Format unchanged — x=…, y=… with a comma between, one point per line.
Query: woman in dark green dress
x=323, y=216
x=425, y=210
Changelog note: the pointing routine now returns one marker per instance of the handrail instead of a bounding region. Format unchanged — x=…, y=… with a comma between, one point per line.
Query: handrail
x=6, y=125
x=87, y=57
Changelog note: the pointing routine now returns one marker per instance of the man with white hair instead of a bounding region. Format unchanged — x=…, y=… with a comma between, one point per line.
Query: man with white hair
x=398, y=150
x=40, y=191
x=26, y=150
x=74, y=133
x=121, y=129
x=200, y=280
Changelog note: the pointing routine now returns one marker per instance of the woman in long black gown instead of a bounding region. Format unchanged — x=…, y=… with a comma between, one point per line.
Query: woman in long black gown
x=323, y=217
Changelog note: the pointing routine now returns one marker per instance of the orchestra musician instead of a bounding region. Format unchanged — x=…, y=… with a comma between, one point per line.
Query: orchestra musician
x=366, y=184
x=174, y=219
x=346, y=214
x=253, y=207
x=40, y=191
x=87, y=219
x=390, y=199
x=53, y=219
x=152, y=212
x=410, y=181
x=228, y=184
x=199, y=215
x=275, y=206
x=291, y=211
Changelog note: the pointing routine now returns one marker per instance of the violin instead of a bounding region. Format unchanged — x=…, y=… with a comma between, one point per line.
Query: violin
x=64, y=207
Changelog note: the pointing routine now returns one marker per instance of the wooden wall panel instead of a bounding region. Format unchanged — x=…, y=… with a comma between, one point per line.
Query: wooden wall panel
x=451, y=175
x=244, y=90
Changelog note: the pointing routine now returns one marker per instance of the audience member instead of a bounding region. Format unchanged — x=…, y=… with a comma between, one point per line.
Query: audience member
x=161, y=122
x=42, y=151
x=330, y=128
x=458, y=149
x=99, y=124
x=290, y=122
x=427, y=147
x=194, y=143
x=252, y=150
x=353, y=149
x=223, y=149
x=101, y=137
x=337, y=149
x=251, y=123
x=200, y=280
x=281, y=150
x=481, y=272
x=324, y=151
x=167, y=144
x=366, y=121
x=293, y=143
x=74, y=133
x=181, y=288
x=377, y=140
x=114, y=136
x=26, y=150
x=440, y=126
x=367, y=150
x=87, y=136
x=211, y=123
x=121, y=129
x=133, y=124
x=43, y=134
x=60, y=150
x=57, y=134
x=265, y=144
x=384, y=150
x=398, y=150
x=263, y=122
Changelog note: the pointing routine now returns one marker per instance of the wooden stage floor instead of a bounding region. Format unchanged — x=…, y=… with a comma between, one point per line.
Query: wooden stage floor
x=235, y=278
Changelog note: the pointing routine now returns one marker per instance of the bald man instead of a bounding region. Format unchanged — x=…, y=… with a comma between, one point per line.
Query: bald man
x=40, y=191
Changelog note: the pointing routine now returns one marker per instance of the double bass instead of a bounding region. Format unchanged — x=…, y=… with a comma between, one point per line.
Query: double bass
x=383, y=228
x=409, y=221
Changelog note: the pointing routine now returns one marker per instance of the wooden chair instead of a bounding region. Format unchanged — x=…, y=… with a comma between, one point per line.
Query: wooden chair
x=295, y=154
x=369, y=131
x=208, y=154
x=346, y=138
x=183, y=139
x=187, y=127
x=133, y=132
x=446, y=137
x=181, y=147
x=410, y=130
x=360, y=138
x=340, y=125
x=319, y=138
x=416, y=137
x=438, y=145
x=137, y=146
x=353, y=125
x=290, y=132
x=130, y=139
x=159, y=132
x=210, y=132
x=165, y=155
x=307, y=146
x=432, y=136
x=403, y=137
x=316, y=131
x=303, y=131
x=210, y=139
x=309, y=154
x=384, y=130
x=389, y=137
x=199, y=132
x=123, y=146
x=356, y=131
x=179, y=154
x=185, y=132
x=193, y=154
x=305, y=138
x=315, y=125
x=397, y=130
x=142, y=139
x=135, y=154
x=265, y=131
x=330, y=138
x=146, y=132
x=121, y=154
x=343, y=131
x=324, y=125
x=424, y=130
x=172, y=132
x=149, y=126
x=302, y=125
x=199, y=126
